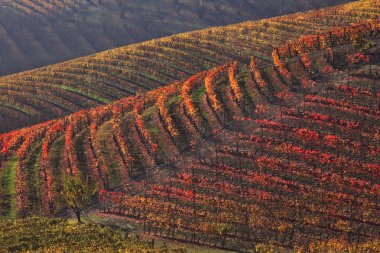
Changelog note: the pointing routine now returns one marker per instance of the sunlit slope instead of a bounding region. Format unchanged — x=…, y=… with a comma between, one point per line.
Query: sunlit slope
x=61, y=89
x=37, y=33
x=234, y=156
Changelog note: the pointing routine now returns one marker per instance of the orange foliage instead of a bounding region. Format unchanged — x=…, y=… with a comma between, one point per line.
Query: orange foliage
x=164, y=112
x=233, y=82
x=281, y=65
x=210, y=89
x=257, y=74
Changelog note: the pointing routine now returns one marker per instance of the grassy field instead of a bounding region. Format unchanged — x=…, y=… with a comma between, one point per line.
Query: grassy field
x=8, y=189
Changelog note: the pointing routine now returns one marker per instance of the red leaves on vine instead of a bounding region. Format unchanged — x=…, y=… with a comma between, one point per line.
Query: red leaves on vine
x=307, y=135
x=357, y=58
x=306, y=61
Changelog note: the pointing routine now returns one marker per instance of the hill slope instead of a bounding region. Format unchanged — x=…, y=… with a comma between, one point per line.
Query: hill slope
x=57, y=235
x=233, y=157
x=51, y=92
x=42, y=32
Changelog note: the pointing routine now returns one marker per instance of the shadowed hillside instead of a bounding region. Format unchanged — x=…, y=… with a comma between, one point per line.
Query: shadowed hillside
x=42, y=32
x=51, y=92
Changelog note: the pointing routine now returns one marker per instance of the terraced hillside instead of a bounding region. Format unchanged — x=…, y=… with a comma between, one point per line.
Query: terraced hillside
x=236, y=156
x=51, y=92
x=36, y=33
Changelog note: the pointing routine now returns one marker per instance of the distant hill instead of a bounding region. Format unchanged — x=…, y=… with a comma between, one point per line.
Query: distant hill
x=54, y=91
x=41, y=32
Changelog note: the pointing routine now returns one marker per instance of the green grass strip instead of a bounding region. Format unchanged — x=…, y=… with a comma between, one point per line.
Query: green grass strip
x=8, y=203
x=100, y=99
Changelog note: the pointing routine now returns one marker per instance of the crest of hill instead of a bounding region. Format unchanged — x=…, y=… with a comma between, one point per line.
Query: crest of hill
x=54, y=91
x=42, y=32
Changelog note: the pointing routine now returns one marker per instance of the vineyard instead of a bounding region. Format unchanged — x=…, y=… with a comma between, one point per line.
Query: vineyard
x=57, y=235
x=51, y=92
x=282, y=150
x=36, y=33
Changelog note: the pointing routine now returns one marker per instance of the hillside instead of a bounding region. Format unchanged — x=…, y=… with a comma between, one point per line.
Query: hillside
x=52, y=92
x=234, y=157
x=35, y=234
x=42, y=32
